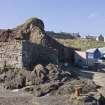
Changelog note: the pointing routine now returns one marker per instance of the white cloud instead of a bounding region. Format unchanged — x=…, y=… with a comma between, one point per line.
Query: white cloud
x=92, y=16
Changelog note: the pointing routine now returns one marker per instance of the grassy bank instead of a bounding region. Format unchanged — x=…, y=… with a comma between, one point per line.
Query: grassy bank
x=84, y=44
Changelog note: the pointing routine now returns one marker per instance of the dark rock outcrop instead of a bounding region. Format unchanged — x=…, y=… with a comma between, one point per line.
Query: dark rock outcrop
x=39, y=75
x=53, y=72
x=46, y=89
x=14, y=80
x=64, y=88
x=49, y=73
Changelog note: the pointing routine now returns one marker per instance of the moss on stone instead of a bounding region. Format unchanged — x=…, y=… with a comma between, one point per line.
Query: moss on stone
x=35, y=21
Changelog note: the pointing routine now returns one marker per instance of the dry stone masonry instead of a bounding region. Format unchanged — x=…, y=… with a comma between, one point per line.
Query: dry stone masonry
x=11, y=54
x=28, y=45
x=19, y=46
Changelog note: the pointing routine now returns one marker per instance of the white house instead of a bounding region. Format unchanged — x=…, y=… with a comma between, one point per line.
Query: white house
x=89, y=57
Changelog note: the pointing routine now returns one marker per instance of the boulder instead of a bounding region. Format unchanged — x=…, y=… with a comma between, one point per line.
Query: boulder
x=28, y=89
x=69, y=88
x=39, y=75
x=83, y=100
x=47, y=88
x=14, y=80
x=2, y=78
x=49, y=73
x=53, y=73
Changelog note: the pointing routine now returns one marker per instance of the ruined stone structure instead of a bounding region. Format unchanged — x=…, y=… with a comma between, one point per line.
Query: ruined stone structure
x=65, y=54
x=28, y=45
x=24, y=46
x=11, y=54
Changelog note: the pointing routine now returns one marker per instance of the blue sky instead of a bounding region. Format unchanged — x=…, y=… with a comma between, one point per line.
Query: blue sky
x=84, y=16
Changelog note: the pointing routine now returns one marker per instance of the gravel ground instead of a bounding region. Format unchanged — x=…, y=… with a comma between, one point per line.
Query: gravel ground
x=99, y=79
x=19, y=97
x=14, y=97
x=15, y=100
x=52, y=100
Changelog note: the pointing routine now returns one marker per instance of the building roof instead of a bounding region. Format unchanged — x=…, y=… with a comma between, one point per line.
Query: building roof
x=81, y=53
x=102, y=50
x=91, y=50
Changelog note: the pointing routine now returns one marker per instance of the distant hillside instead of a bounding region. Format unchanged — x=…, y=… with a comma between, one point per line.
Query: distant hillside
x=63, y=35
x=84, y=44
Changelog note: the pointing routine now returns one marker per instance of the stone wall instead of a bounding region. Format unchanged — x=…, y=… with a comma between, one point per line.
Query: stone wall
x=33, y=54
x=11, y=54
x=65, y=54
x=28, y=45
x=25, y=54
x=19, y=47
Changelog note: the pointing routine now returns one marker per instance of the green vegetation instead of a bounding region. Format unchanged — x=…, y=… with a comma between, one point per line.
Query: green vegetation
x=35, y=21
x=84, y=44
